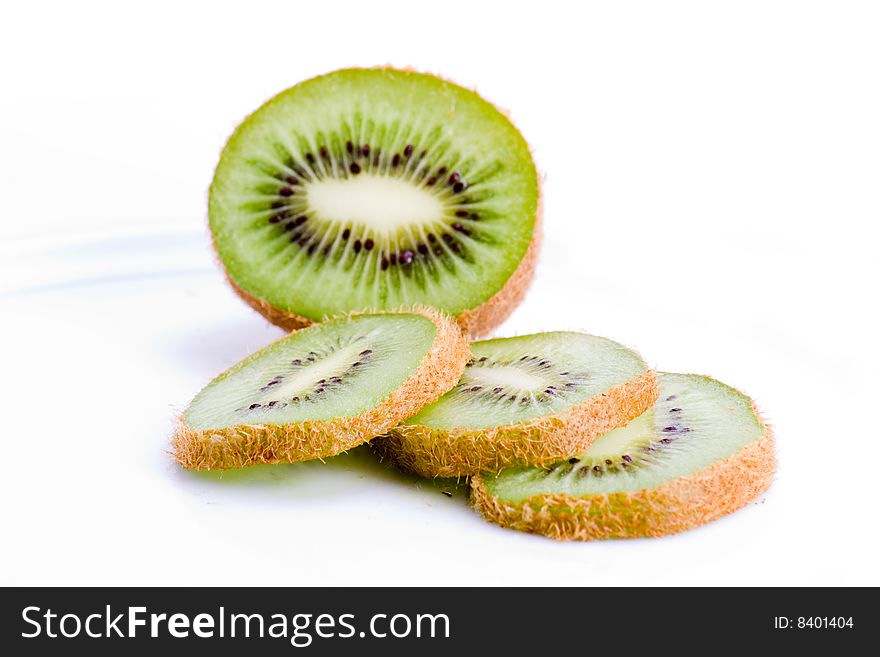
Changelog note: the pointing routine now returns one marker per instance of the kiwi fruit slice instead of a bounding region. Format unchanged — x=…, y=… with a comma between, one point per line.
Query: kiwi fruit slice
x=701, y=452
x=372, y=189
x=322, y=390
x=527, y=400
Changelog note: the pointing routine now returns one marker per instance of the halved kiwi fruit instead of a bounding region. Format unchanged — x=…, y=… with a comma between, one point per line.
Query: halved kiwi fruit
x=527, y=400
x=322, y=390
x=701, y=452
x=372, y=189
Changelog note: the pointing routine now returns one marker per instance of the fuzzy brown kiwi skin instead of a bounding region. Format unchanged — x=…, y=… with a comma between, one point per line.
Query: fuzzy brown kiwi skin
x=677, y=506
x=541, y=441
x=245, y=445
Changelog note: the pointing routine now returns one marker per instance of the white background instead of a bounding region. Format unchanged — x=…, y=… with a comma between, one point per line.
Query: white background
x=711, y=199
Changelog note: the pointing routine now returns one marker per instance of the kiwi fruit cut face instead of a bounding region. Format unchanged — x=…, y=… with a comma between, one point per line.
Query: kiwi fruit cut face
x=373, y=189
x=527, y=400
x=701, y=452
x=322, y=390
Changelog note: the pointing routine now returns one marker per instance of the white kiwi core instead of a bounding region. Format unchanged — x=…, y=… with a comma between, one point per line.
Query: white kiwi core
x=381, y=203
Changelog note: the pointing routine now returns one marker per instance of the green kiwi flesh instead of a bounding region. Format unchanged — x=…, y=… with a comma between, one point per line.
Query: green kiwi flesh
x=340, y=368
x=513, y=380
x=695, y=423
x=373, y=189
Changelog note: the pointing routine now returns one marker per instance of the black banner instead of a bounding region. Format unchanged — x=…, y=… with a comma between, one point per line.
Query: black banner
x=432, y=621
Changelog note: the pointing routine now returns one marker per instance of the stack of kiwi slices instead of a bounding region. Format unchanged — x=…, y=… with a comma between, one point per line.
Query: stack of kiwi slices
x=387, y=218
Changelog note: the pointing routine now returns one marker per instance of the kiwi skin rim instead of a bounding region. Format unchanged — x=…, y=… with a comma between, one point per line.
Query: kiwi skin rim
x=475, y=322
x=540, y=441
x=676, y=506
x=243, y=445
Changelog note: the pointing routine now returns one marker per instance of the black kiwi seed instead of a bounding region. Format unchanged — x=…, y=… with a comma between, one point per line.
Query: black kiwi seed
x=627, y=458
x=461, y=213
x=459, y=187
x=497, y=390
x=253, y=406
x=441, y=171
x=310, y=158
x=393, y=258
x=406, y=257
x=289, y=227
x=272, y=403
x=366, y=352
x=431, y=181
x=349, y=146
x=574, y=460
x=346, y=234
x=669, y=429
x=454, y=178
x=368, y=244
x=277, y=204
x=285, y=191
x=354, y=168
x=275, y=219
x=423, y=249
x=357, y=246
x=408, y=150
x=395, y=161
x=432, y=238
x=383, y=265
